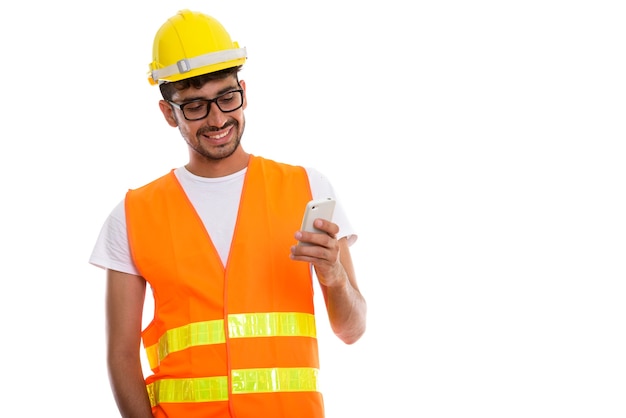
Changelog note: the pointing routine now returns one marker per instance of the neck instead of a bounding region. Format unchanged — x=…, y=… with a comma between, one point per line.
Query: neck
x=219, y=168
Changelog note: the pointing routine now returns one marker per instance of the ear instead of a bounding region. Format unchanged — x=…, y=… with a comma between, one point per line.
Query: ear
x=242, y=83
x=168, y=113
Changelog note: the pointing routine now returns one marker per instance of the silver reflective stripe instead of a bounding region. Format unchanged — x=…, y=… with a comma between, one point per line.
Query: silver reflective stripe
x=188, y=64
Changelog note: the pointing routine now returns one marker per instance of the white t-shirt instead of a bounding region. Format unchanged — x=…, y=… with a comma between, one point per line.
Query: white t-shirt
x=216, y=200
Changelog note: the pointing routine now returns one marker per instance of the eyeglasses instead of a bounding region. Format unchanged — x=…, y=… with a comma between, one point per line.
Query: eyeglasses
x=199, y=109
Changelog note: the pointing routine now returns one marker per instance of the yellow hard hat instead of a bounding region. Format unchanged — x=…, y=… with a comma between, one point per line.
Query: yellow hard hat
x=191, y=44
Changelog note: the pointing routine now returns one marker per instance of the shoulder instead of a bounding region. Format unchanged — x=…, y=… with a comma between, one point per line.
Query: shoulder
x=257, y=161
x=321, y=186
x=156, y=182
x=154, y=188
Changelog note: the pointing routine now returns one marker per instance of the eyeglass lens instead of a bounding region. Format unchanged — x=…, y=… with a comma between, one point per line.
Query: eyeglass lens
x=199, y=109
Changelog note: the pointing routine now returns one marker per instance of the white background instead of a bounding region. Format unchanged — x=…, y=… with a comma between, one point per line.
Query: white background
x=478, y=147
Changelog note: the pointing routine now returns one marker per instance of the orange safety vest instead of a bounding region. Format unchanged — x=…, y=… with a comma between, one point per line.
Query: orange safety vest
x=238, y=341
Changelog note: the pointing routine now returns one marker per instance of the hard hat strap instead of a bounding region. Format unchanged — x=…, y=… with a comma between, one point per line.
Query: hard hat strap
x=188, y=64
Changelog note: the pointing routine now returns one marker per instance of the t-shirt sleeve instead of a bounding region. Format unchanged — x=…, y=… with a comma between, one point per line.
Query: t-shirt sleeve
x=322, y=188
x=112, y=250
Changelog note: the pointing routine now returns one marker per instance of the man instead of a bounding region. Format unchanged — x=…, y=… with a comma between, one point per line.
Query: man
x=233, y=333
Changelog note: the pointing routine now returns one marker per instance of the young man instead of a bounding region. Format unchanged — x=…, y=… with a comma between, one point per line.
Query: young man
x=233, y=333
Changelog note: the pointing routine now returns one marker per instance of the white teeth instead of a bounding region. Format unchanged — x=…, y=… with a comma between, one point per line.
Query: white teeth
x=218, y=136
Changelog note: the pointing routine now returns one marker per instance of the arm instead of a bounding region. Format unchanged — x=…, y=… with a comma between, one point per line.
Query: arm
x=124, y=307
x=334, y=269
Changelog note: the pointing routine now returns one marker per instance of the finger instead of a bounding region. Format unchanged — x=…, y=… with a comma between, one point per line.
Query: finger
x=332, y=229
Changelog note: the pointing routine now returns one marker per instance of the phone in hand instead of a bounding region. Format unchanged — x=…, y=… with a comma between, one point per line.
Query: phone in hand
x=317, y=208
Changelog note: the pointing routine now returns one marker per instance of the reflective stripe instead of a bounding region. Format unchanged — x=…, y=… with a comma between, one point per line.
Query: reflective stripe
x=302, y=379
x=187, y=64
x=270, y=324
x=213, y=389
x=208, y=389
x=176, y=339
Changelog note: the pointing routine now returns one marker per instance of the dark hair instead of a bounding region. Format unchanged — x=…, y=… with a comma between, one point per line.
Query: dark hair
x=168, y=89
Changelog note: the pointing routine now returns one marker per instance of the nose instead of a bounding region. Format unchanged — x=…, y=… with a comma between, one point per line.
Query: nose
x=215, y=117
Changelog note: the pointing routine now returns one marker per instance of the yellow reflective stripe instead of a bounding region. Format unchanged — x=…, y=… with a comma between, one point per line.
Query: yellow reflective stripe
x=211, y=389
x=269, y=324
x=177, y=339
x=298, y=379
x=272, y=324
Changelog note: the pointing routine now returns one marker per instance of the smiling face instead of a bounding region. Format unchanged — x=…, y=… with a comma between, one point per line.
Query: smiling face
x=214, y=141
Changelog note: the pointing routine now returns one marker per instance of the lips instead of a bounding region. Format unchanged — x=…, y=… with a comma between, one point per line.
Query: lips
x=218, y=136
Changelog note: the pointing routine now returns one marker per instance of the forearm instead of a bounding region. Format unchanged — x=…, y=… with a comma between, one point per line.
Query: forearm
x=124, y=305
x=128, y=386
x=347, y=310
x=334, y=269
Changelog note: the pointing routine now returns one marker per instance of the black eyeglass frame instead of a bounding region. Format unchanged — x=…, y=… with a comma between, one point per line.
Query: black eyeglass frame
x=181, y=106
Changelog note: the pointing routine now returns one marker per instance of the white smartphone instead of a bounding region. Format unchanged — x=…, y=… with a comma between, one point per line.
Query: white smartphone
x=320, y=208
